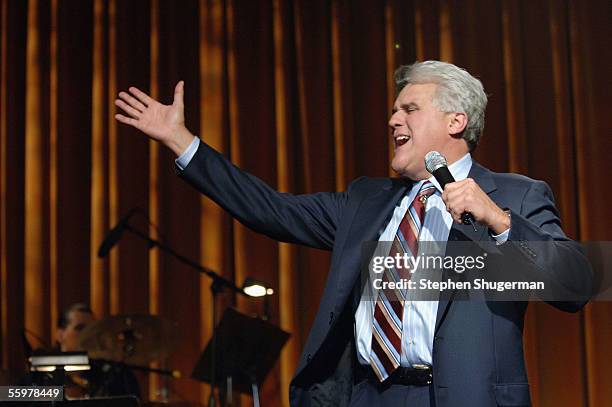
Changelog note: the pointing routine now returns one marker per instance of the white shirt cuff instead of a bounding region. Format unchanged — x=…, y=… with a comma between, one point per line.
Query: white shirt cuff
x=184, y=159
x=502, y=237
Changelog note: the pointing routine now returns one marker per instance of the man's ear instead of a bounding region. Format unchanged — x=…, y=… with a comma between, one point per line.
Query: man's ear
x=60, y=333
x=457, y=123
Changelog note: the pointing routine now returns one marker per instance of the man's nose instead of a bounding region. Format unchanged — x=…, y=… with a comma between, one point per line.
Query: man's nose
x=394, y=120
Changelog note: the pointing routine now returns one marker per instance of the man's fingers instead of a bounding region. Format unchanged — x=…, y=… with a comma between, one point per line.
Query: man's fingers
x=456, y=212
x=126, y=120
x=461, y=189
x=132, y=101
x=452, y=194
x=140, y=95
x=128, y=109
x=457, y=185
x=463, y=196
x=179, y=92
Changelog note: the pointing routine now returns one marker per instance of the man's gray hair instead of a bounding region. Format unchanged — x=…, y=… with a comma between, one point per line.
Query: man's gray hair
x=457, y=91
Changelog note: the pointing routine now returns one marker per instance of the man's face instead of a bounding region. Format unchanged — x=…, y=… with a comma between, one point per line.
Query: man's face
x=418, y=127
x=68, y=337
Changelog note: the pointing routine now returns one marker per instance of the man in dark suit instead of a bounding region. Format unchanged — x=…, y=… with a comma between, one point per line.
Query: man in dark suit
x=376, y=347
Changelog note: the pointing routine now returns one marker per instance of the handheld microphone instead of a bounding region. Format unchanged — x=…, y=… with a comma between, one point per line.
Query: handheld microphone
x=436, y=165
x=114, y=235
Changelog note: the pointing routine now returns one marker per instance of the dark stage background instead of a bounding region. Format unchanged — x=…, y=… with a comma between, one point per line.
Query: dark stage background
x=298, y=93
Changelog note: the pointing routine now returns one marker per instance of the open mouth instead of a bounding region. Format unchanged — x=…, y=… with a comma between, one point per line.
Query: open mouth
x=401, y=140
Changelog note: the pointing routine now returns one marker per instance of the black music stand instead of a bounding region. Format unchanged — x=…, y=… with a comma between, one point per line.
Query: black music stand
x=247, y=349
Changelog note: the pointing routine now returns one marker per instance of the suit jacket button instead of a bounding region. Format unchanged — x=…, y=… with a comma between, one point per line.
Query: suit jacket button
x=331, y=317
x=308, y=358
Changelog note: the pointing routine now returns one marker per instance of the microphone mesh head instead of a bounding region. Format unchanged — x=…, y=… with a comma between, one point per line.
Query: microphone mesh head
x=434, y=160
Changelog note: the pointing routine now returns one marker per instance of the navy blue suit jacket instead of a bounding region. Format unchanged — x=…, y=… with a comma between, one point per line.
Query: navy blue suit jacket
x=478, y=349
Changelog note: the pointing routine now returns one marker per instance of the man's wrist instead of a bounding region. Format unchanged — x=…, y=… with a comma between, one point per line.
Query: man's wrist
x=501, y=221
x=180, y=141
x=183, y=160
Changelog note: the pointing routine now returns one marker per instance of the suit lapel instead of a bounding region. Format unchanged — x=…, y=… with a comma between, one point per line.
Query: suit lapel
x=460, y=232
x=369, y=219
x=382, y=206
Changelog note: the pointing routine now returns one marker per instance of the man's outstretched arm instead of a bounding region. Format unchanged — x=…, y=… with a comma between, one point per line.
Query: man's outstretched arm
x=310, y=220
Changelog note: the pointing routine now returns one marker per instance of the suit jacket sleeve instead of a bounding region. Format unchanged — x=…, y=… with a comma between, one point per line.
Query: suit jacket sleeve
x=537, y=234
x=310, y=220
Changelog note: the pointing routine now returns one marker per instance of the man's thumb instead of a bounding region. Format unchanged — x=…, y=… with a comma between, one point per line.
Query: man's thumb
x=179, y=91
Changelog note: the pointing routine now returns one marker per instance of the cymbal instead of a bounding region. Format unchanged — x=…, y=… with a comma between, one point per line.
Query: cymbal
x=134, y=339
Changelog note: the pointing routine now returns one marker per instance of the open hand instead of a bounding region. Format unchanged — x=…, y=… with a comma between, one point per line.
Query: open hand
x=163, y=123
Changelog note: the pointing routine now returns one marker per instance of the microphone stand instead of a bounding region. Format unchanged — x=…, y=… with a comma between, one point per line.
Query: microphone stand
x=217, y=285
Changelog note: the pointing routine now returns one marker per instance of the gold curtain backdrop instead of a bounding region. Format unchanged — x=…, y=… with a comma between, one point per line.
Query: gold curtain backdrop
x=298, y=93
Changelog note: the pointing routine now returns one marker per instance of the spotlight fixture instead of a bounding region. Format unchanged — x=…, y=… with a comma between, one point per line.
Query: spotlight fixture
x=256, y=288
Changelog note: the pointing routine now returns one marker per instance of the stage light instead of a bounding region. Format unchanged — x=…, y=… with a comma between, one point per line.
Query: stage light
x=256, y=288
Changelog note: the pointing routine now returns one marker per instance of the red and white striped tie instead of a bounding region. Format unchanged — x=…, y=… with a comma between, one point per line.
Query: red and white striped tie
x=389, y=308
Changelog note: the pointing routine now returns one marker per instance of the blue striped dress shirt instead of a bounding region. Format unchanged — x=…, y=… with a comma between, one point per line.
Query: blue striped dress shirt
x=419, y=316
